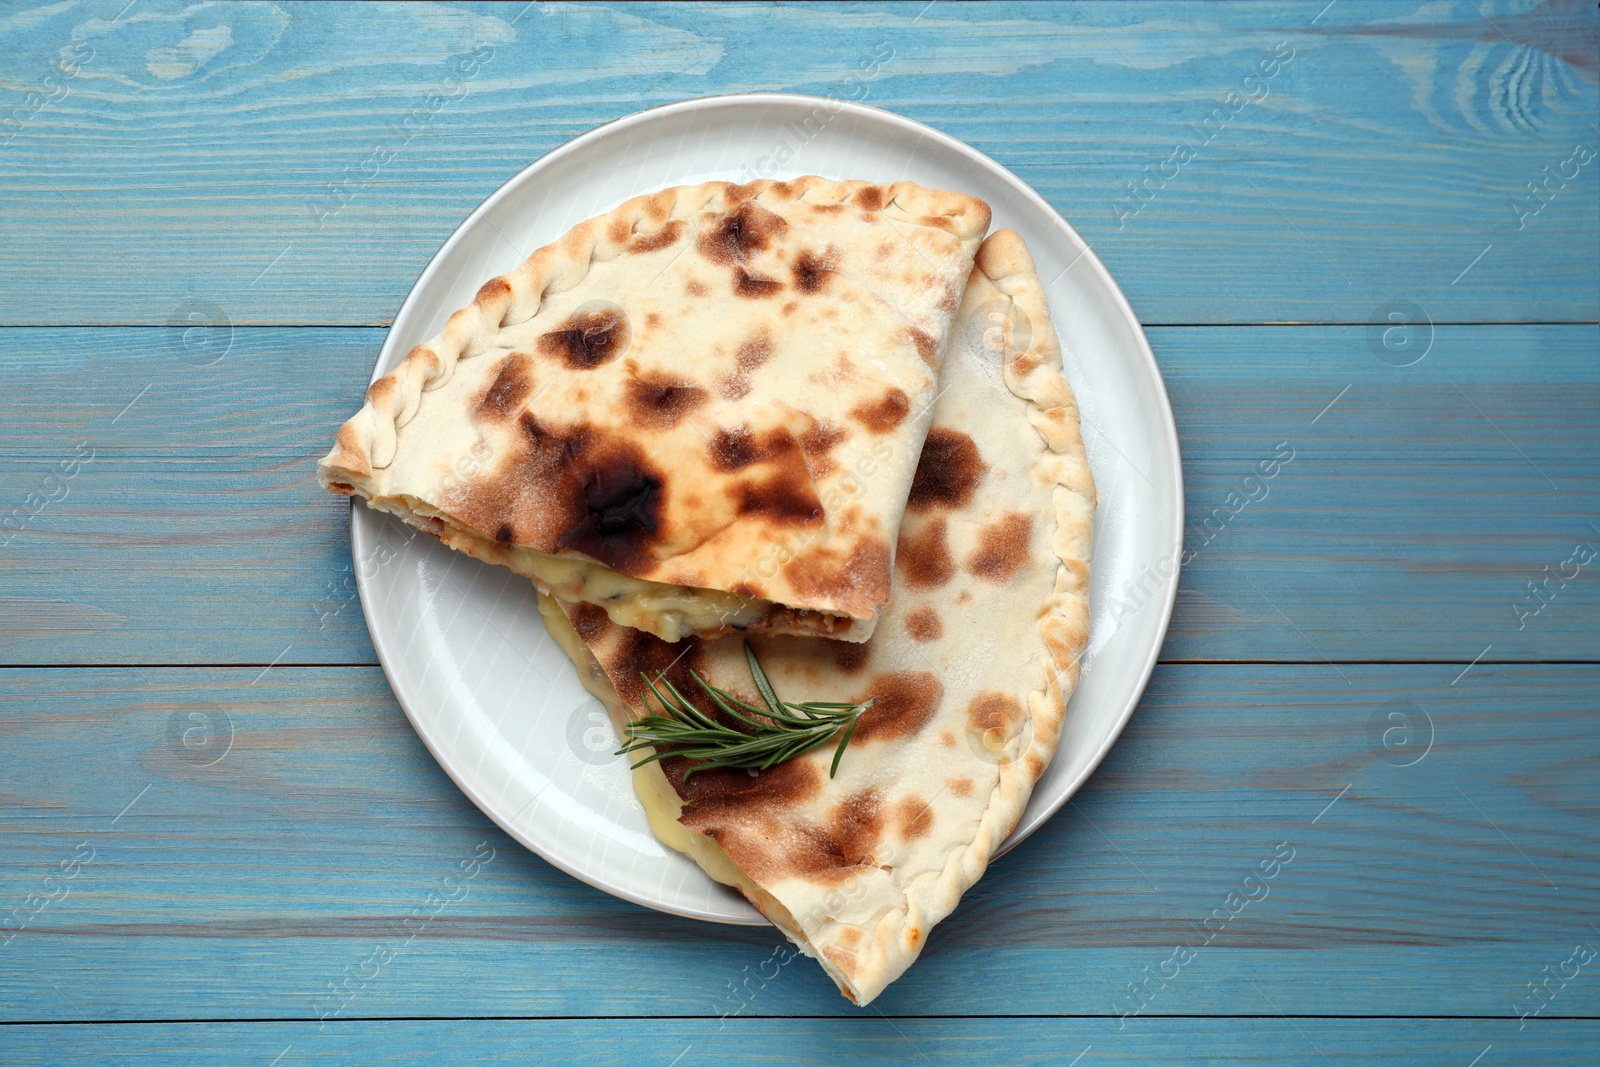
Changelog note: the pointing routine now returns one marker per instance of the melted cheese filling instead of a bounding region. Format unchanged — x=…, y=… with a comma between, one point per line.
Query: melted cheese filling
x=671, y=612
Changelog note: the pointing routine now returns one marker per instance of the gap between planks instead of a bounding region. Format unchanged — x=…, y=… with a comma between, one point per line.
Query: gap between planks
x=692, y=1018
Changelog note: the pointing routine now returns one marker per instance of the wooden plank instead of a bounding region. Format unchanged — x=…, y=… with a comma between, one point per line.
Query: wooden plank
x=1433, y=863
x=297, y=174
x=867, y=1041
x=1420, y=503
x=1407, y=525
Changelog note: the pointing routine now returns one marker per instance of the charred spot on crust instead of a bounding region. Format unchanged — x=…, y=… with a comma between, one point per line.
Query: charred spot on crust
x=849, y=656
x=738, y=235
x=590, y=620
x=821, y=437
x=694, y=288
x=720, y=791
x=870, y=197
x=620, y=508
x=927, y=347
x=856, y=825
x=960, y=787
x=620, y=231
x=905, y=701
x=994, y=710
x=1002, y=547
x=509, y=389
x=754, y=286
x=734, y=448
x=549, y=442
x=826, y=573
x=785, y=492
x=885, y=413
x=573, y=487
x=811, y=271
x=817, y=442
x=948, y=471
x=639, y=654
x=924, y=624
x=913, y=817
x=784, y=496
x=585, y=490
x=752, y=354
x=924, y=556
x=588, y=338
x=660, y=400
x=827, y=209
x=947, y=300
x=848, y=842
x=654, y=242
x=521, y=496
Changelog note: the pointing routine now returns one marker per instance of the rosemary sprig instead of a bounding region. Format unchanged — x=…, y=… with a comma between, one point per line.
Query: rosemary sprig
x=681, y=729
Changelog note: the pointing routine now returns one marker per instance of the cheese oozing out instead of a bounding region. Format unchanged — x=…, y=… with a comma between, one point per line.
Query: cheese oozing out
x=670, y=612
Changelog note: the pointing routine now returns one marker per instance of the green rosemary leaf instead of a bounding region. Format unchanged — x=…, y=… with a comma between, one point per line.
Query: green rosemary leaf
x=683, y=729
x=759, y=676
x=725, y=703
x=838, y=753
x=682, y=705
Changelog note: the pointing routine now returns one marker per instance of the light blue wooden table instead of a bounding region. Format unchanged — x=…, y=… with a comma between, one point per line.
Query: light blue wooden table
x=1384, y=256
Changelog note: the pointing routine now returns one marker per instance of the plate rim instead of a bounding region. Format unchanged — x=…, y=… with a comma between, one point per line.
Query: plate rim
x=1150, y=366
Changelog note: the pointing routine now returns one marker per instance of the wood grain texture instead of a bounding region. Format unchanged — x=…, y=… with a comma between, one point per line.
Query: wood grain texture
x=268, y=159
x=868, y=1041
x=1404, y=527
x=206, y=210
x=262, y=885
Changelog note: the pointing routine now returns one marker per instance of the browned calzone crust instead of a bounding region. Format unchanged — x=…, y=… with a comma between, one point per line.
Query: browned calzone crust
x=700, y=411
x=971, y=666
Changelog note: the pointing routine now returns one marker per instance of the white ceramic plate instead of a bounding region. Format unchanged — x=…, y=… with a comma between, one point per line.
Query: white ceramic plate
x=496, y=701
